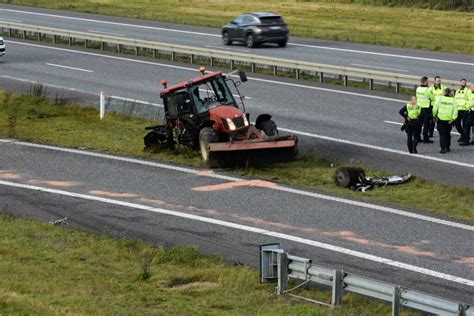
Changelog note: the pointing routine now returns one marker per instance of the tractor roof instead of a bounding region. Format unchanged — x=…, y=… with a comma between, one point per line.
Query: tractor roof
x=184, y=84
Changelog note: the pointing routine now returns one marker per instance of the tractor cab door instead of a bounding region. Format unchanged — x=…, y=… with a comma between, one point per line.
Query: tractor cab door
x=178, y=104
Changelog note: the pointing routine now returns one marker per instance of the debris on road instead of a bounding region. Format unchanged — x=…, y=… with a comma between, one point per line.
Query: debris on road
x=355, y=179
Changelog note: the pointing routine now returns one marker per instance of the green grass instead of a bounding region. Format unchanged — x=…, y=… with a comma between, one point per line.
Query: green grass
x=37, y=120
x=354, y=21
x=52, y=270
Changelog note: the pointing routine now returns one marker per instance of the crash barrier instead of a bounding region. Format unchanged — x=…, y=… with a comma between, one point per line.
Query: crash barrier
x=276, y=265
x=213, y=56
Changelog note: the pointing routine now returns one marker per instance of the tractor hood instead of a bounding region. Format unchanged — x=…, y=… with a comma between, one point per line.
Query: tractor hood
x=228, y=119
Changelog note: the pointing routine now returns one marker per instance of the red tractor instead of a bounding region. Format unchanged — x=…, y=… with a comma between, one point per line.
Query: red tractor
x=202, y=113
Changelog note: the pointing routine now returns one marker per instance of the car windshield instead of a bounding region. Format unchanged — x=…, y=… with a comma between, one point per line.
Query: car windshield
x=212, y=93
x=272, y=20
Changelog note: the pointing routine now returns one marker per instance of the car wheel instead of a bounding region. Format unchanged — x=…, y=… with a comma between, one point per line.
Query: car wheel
x=250, y=41
x=226, y=39
x=282, y=44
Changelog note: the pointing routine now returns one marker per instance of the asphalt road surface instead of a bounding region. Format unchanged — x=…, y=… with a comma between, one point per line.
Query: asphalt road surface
x=218, y=212
x=349, y=125
x=370, y=57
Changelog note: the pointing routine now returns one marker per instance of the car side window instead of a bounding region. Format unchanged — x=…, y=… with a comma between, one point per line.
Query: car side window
x=239, y=20
x=248, y=20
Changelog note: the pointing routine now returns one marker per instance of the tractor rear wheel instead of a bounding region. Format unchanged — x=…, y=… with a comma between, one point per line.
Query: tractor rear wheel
x=207, y=135
x=268, y=127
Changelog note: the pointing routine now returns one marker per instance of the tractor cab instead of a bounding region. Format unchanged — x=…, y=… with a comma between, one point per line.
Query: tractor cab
x=204, y=99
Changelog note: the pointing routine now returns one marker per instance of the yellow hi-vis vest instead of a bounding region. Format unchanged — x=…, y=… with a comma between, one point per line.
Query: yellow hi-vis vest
x=446, y=109
x=437, y=92
x=413, y=110
x=469, y=100
x=423, y=97
x=460, y=97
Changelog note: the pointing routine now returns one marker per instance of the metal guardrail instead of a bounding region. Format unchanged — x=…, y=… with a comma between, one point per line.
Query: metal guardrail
x=276, y=265
x=297, y=66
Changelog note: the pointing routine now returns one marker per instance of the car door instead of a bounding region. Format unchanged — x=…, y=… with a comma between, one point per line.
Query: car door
x=246, y=25
x=235, y=31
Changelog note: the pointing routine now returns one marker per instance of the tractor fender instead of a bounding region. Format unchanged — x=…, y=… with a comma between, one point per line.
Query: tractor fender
x=262, y=118
x=208, y=123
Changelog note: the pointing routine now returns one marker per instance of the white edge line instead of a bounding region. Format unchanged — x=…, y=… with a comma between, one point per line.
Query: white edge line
x=390, y=150
x=68, y=67
x=383, y=54
x=234, y=179
x=111, y=23
x=400, y=124
x=251, y=229
x=218, y=35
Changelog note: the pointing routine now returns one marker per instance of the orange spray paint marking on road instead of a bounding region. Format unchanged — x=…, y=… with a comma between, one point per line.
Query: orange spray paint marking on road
x=232, y=185
x=9, y=175
x=63, y=184
x=113, y=194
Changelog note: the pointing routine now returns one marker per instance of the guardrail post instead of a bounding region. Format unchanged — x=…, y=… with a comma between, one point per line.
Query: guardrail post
x=321, y=77
x=297, y=73
x=70, y=41
x=102, y=105
x=232, y=65
x=397, y=87
x=102, y=45
x=345, y=81
x=173, y=56
x=10, y=32
x=54, y=39
x=39, y=36
x=275, y=70
x=211, y=61
x=396, y=301
x=137, y=49
x=253, y=67
x=371, y=84
x=119, y=48
x=337, y=288
x=85, y=43
x=154, y=53
x=192, y=59
x=24, y=34
x=282, y=258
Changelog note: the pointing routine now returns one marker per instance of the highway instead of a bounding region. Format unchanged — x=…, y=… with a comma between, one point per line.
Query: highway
x=348, y=125
x=218, y=212
x=371, y=57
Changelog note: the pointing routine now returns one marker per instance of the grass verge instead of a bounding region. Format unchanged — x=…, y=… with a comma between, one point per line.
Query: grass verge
x=359, y=21
x=51, y=270
x=36, y=119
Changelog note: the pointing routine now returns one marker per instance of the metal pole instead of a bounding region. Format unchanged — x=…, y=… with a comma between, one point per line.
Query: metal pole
x=345, y=81
x=232, y=65
x=211, y=61
x=173, y=56
x=102, y=45
x=396, y=301
x=102, y=105
x=371, y=84
x=321, y=77
x=275, y=70
x=297, y=74
x=192, y=59
x=137, y=49
x=282, y=259
x=337, y=288
x=397, y=88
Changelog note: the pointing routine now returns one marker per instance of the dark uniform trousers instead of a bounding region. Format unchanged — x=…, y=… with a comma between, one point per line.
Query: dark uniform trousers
x=426, y=118
x=412, y=129
x=467, y=127
x=461, y=122
x=444, y=129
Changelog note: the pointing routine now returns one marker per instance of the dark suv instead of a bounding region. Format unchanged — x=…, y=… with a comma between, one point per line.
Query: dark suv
x=256, y=28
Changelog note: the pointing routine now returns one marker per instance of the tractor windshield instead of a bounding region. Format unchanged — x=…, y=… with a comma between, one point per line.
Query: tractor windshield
x=211, y=94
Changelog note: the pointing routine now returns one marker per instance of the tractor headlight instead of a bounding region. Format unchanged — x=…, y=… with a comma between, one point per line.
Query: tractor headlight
x=231, y=124
x=246, y=122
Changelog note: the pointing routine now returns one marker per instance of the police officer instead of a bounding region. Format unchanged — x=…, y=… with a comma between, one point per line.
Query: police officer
x=445, y=112
x=460, y=97
x=438, y=90
x=411, y=112
x=424, y=98
x=469, y=97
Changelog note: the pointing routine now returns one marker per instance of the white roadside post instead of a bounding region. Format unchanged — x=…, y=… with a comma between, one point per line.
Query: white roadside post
x=102, y=105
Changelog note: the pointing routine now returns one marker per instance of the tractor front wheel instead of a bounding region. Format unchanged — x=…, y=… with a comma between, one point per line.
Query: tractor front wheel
x=207, y=135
